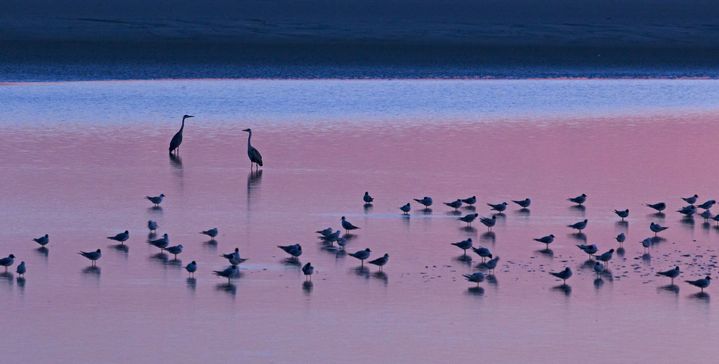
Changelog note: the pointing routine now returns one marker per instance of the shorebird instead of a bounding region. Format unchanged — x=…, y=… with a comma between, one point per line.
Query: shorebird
x=381, y=261
x=361, y=255
x=212, y=233
x=646, y=243
x=656, y=228
x=21, y=269
x=295, y=250
x=605, y=257
x=347, y=225
x=93, y=256
x=716, y=219
x=707, y=205
x=579, y=226
x=491, y=264
x=589, y=249
x=121, y=237
x=691, y=199
x=405, y=208
x=468, y=218
x=598, y=268
x=688, y=210
x=332, y=236
x=156, y=200
x=659, y=206
x=523, y=203
x=476, y=277
x=706, y=215
x=701, y=283
x=8, y=261
x=426, y=201
x=234, y=257
x=470, y=200
x=579, y=200
x=454, y=204
x=563, y=275
x=308, y=270
x=191, y=268
x=174, y=250
x=672, y=273
x=43, y=240
x=464, y=245
x=483, y=252
x=177, y=139
x=367, y=199
x=161, y=243
x=152, y=225
x=325, y=232
x=500, y=207
x=622, y=213
x=229, y=272
x=489, y=222
x=341, y=242
x=546, y=240
x=252, y=152
x=621, y=238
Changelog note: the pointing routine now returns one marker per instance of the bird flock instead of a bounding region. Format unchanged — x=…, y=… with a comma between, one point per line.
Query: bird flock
x=600, y=261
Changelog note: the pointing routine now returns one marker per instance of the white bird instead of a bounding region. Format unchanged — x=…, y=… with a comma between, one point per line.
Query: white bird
x=454, y=204
x=491, y=264
x=295, y=250
x=234, y=257
x=93, y=256
x=546, y=240
x=152, y=225
x=483, y=252
x=191, y=268
x=426, y=201
x=656, y=228
x=523, y=203
x=464, y=245
x=688, y=210
x=701, y=283
x=706, y=215
x=212, y=233
x=156, y=200
x=598, y=268
x=21, y=269
x=347, y=225
x=622, y=213
x=470, y=200
x=589, y=249
x=43, y=240
x=174, y=250
x=579, y=200
x=476, y=277
x=367, y=198
x=691, y=199
x=563, y=275
x=579, y=226
x=707, y=205
x=121, y=237
x=468, y=218
x=161, y=243
x=229, y=272
x=672, y=273
x=606, y=256
x=361, y=255
x=325, y=232
x=489, y=222
x=499, y=207
x=659, y=206
x=646, y=243
x=405, y=208
x=621, y=238
x=7, y=261
x=381, y=261
x=341, y=242
x=308, y=270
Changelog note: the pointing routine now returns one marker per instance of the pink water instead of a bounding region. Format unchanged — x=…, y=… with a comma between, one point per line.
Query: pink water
x=80, y=181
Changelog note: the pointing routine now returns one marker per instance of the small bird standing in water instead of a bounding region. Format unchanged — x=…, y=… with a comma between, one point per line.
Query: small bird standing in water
x=43, y=240
x=21, y=269
x=381, y=261
x=563, y=275
x=191, y=268
x=579, y=200
x=156, y=200
x=308, y=270
x=121, y=237
x=367, y=198
x=347, y=225
x=622, y=213
x=212, y=233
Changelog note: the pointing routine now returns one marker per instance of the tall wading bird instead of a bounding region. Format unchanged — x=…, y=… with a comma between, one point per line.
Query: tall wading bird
x=252, y=152
x=177, y=139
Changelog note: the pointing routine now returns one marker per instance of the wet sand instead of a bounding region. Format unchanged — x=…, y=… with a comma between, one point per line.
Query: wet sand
x=78, y=167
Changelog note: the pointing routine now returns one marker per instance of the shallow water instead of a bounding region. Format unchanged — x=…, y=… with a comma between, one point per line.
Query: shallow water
x=79, y=157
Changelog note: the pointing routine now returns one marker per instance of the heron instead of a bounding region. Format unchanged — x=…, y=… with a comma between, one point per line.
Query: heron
x=177, y=139
x=252, y=152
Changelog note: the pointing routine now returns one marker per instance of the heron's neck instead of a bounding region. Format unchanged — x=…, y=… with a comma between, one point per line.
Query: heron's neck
x=249, y=139
x=183, y=124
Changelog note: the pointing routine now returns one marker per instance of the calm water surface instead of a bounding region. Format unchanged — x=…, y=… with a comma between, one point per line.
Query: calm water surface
x=77, y=159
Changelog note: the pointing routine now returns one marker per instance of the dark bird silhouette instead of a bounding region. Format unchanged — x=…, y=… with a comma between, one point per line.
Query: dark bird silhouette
x=177, y=139
x=252, y=152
